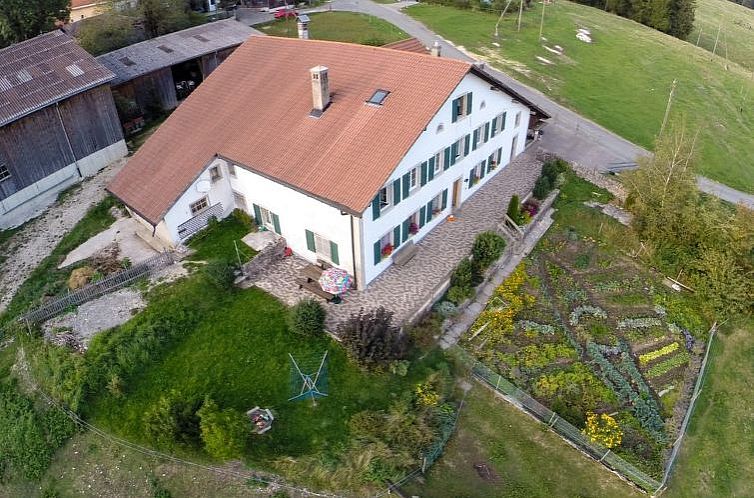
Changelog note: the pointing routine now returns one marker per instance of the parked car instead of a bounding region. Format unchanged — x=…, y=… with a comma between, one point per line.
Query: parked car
x=286, y=13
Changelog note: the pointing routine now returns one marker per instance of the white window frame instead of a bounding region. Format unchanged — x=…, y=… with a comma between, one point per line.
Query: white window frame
x=463, y=106
x=518, y=119
x=239, y=198
x=232, y=170
x=387, y=194
x=267, y=220
x=322, y=247
x=439, y=160
x=197, y=211
x=215, y=174
x=436, y=204
x=386, y=240
x=413, y=179
x=459, y=147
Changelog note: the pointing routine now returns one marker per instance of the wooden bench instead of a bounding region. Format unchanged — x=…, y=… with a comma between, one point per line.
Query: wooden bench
x=314, y=288
x=405, y=254
x=311, y=272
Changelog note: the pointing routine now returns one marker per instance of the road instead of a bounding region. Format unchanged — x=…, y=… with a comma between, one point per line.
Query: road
x=567, y=134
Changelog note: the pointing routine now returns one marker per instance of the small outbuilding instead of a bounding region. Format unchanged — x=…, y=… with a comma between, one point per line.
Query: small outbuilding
x=58, y=122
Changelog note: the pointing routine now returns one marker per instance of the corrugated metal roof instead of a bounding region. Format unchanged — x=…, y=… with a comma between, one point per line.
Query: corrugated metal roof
x=44, y=70
x=264, y=123
x=142, y=58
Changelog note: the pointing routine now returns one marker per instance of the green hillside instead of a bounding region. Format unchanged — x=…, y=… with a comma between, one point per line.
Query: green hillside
x=736, y=24
x=621, y=80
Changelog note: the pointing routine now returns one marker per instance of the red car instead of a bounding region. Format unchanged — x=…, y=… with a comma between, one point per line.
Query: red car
x=286, y=13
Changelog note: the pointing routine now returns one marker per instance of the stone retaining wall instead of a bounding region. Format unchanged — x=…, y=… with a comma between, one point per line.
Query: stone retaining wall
x=267, y=256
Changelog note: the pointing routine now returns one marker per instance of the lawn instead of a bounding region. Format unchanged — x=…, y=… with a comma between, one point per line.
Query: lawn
x=222, y=241
x=622, y=80
x=498, y=451
x=340, y=26
x=736, y=25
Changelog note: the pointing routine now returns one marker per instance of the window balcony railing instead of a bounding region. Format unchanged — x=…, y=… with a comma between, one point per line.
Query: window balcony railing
x=190, y=227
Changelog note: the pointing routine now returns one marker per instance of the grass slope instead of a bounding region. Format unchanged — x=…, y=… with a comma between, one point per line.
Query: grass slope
x=526, y=457
x=340, y=26
x=622, y=80
x=736, y=24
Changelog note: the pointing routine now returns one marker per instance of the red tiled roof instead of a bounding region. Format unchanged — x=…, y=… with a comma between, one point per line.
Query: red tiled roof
x=408, y=45
x=43, y=70
x=254, y=110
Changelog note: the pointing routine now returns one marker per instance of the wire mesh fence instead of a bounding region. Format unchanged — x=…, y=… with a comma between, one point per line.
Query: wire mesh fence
x=106, y=285
x=573, y=435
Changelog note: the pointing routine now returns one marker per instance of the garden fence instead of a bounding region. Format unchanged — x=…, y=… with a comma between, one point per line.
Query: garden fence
x=106, y=285
x=570, y=433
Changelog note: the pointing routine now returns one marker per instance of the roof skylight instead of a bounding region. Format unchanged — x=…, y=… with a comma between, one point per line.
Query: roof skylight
x=378, y=97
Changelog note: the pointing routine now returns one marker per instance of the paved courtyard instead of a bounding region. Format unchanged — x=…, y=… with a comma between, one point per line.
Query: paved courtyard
x=405, y=289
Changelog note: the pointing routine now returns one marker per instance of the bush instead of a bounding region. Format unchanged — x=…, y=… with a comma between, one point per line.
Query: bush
x=220, y=273
x=244, y=219
x=173, y=420
x=23, y=442
x=488, y=246
x=542, y=187
x=465, y=277
x=514, y=209
x=372, y=339
x=58, y=427
x=224, y=432
x=553, y=169
x=307, y=317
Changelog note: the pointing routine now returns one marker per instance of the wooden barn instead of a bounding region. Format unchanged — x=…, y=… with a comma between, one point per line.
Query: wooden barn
x=58, y=122
x=155, y=75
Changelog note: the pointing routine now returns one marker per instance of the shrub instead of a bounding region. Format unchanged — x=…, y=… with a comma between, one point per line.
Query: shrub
x=220, y=273
x=603, y=429
x=465, y=277
x=542, y=187
x=446, y=309
x=372, y=339
x=514, y=209
x=244, y=218
x=173, y=420
x=553, y=169
x=307, y=317
x=58, y=427
x=224, y=432
x=22, y=437
x=488, y=246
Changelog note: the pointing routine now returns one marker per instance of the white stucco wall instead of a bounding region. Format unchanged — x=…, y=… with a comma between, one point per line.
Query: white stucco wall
x=430, y=142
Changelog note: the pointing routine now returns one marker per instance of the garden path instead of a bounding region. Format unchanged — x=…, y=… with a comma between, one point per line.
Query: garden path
x=405, y=289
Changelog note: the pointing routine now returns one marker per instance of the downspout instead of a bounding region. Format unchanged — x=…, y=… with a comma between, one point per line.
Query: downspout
x=353, y=255
x=68, y=140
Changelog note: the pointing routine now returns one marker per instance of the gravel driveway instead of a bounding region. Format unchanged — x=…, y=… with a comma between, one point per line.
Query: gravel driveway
x=36, y=240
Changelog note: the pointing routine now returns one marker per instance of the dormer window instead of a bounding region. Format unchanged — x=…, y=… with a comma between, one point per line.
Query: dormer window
x=378, y=97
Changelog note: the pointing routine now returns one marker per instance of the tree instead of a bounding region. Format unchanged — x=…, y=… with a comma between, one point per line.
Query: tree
x=24, y=19
x=372, y=339
x=164, y=16
x=107, y=32
x=681, y=18
x=224, y=432
x=307, y=318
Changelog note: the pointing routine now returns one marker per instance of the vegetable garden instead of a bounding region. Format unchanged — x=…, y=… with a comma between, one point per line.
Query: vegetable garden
x=598, y=339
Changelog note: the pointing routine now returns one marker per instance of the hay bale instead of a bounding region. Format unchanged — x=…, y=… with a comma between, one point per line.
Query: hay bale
x=80, y=277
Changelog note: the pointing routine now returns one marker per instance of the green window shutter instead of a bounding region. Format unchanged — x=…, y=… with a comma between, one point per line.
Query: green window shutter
x=431, y=168
x=310, y=241
x=483, y=168
x=334, y=253
x=468, y=103
x=471, y=177
x=475, y=141
x=375, y=207
x=276, y=223
x=486, y=131
x=490, y=160
x=494, y=127
x=406, y=184
x=397, y=191
x=466, y=145
x=450, y=155
x=502, y=125
x=429, y=211
x=396, y=236
x=421, y=216
x=377, y=252
x=456, y=105
x=444, y=199
x=257, y=215
x=406, y=225
x=424, y=173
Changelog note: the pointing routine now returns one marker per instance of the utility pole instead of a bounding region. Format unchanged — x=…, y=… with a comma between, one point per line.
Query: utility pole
x=717, y=38
x=667, y=108
x=542, y=22
x=698, y=38
x=520, y=13
x=497, y=24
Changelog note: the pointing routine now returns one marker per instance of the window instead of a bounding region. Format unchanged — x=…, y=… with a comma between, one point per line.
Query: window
x=214, y=173
x=199, y=206
x=378, y=97
x=461, y=106
x=384, y=197
x=476, y=174
x=459, y=149
x=492, y=162
x=412, y=224
x=4, y=173
x=436, y=204
x=232, y=169
x=518, y=119
x=477, y=137
x=267, y=219
x=324, y=248
x=439, y=163
x=240, y=201
x=413, y=179
x=440, y=128
x=386, y=245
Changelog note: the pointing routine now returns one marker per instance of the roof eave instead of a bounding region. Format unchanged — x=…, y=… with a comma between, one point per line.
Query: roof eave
x=491, y=79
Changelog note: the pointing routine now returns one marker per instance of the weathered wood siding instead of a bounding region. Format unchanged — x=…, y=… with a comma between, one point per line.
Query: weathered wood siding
x=210, y=62
x=36, y=146
x=154, y=89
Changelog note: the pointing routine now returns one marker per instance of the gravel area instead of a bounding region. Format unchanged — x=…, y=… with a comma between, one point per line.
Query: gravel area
x=36, y=240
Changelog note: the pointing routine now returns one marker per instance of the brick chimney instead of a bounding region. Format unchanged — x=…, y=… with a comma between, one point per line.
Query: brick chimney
x=320, y=90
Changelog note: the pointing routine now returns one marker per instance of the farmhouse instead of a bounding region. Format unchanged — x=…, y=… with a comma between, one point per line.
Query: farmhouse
x=58, y=122
x=155, y=75
x=351, y=153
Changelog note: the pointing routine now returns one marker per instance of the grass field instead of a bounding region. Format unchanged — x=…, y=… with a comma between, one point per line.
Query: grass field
x=736, y=25
x=622, y=80
x=526, y=459
x=340, y=26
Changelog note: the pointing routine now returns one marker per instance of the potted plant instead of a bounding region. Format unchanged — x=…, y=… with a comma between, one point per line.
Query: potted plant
x=387, y=250
x=413, y=229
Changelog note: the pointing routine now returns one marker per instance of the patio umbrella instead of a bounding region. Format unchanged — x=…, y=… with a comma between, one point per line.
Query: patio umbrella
x=335, y=281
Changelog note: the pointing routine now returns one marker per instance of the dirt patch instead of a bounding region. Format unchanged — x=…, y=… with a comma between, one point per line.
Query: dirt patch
x=36, y=240
x=486, y=472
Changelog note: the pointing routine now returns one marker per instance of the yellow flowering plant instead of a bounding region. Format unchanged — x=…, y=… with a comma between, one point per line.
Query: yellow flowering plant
x=603, y=429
